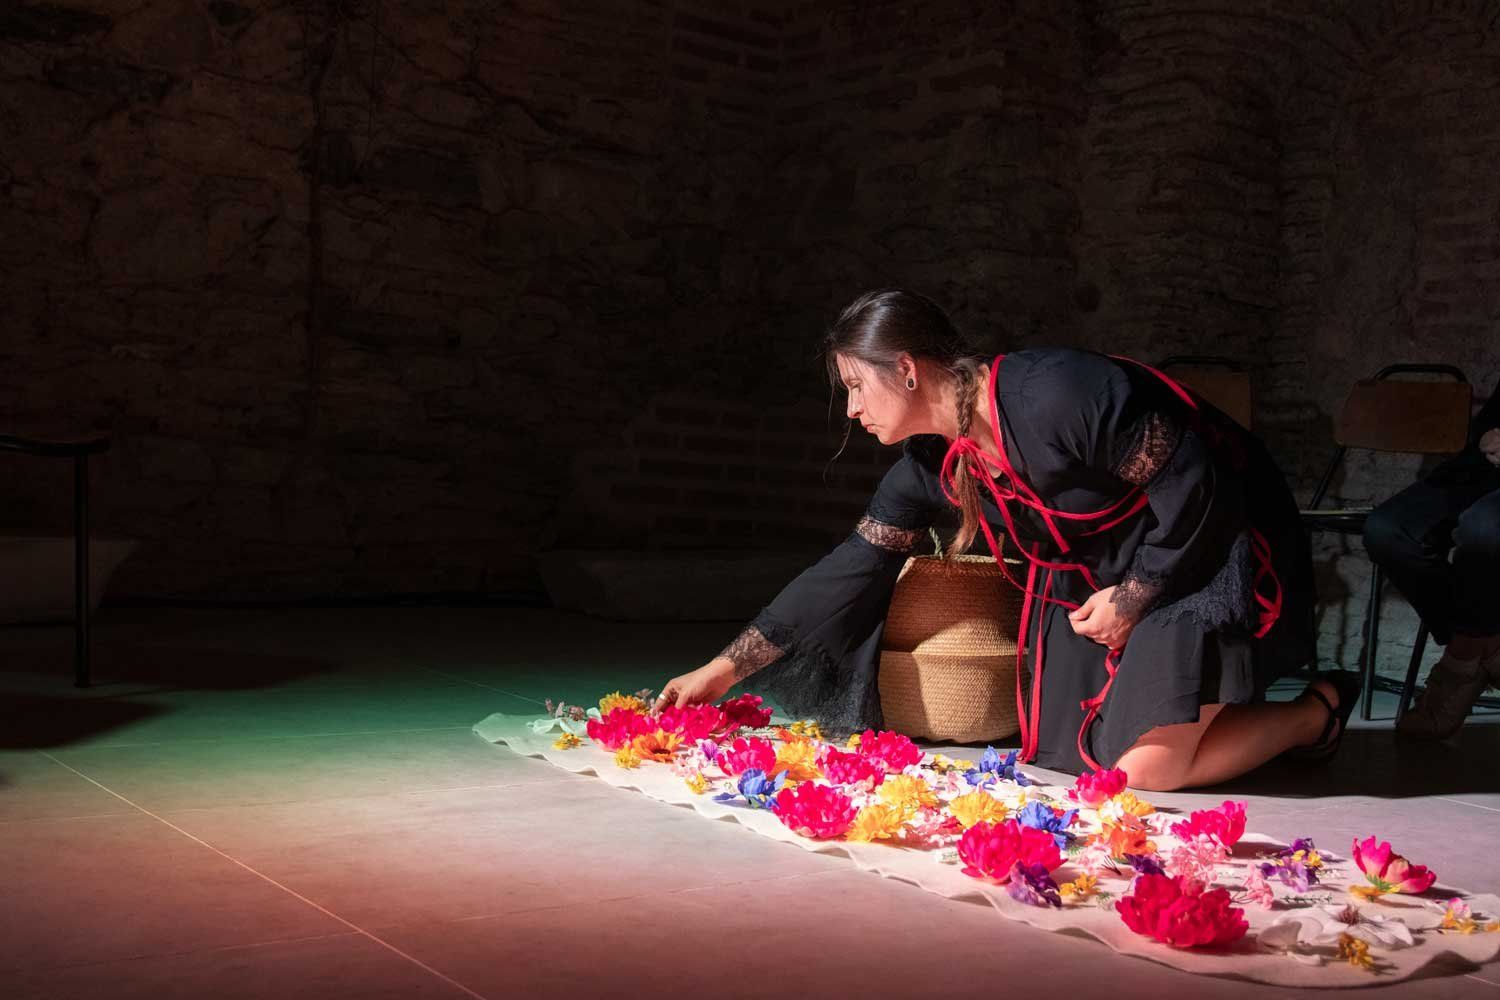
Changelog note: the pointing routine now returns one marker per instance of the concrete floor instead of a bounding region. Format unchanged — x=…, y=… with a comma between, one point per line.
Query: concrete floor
x=291, y=803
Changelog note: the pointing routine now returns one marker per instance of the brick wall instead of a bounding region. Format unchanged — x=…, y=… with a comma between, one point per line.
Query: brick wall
x=391, y=296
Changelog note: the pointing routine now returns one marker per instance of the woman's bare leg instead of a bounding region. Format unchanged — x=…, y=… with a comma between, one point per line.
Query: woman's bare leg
x=1225, y=742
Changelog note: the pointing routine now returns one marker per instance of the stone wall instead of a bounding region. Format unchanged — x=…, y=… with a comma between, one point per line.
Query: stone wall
x=382, y=296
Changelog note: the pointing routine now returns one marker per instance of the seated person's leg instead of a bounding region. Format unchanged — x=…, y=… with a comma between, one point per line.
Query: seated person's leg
x=1463, y=615
x=1476, y=572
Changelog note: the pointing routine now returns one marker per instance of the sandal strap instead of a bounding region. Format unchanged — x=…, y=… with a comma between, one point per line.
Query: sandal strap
x=1333, y=716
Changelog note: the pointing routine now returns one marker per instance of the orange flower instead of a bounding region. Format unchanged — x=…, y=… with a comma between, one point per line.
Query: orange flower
x=658, y=746
x=1128, y=836
x=627, y=758
x=799, y=759
x=977, y=807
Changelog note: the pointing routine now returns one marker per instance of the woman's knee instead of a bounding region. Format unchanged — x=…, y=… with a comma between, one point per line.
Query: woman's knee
x=1155, y=768
x=1388, y=539
x=1478, y=533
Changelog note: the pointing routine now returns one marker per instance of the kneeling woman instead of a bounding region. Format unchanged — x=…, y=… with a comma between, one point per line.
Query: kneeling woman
x=1167, y=575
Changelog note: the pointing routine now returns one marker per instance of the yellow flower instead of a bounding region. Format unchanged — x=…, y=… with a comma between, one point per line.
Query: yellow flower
x=977, y=807
x=1131, y=805
x=659, y=746
x=876, y=822
x=627, y=758
x=615, y=700
x=809, y=728
x=698, y=783
x=799, y=760
x=1355, y=952
x=1492, y=927
x=1082, y=887
x=566, y=741
x=1311, y=859
x=1366, y=892
x=907, y=793
x=853, y=742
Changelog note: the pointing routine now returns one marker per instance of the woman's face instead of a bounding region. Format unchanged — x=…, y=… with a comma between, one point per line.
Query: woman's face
x=882, y=408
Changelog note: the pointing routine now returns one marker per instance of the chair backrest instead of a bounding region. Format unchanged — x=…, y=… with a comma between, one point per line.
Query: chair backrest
x=1387, y=414
x=1429, y=418
x=1221, y=381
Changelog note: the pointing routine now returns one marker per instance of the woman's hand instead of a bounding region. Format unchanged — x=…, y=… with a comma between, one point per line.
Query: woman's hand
x=1101, y=621
x=1489, y=445
x=708, y=683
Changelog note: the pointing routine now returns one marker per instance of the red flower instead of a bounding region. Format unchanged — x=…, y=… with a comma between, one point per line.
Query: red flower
x=817, y=811
x=741, y=755
x=892, y=750
x=988, y=850
x=619, y=727
x=744, y=712
x=1176, y=911
x=1098, y=788
x=691, y=722
x=1226, y=824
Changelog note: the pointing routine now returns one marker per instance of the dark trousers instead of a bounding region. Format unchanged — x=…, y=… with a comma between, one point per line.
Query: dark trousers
x=1439, y=543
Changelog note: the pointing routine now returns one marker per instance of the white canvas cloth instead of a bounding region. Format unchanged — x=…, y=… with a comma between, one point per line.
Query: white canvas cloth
x=1247, y=959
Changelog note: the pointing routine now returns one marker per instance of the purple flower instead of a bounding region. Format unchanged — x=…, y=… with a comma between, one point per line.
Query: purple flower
x=1293, y=873
x=710, y=749
x=1300, y=844
x=1145, y=864
x=1032, y=884
x=992, y=767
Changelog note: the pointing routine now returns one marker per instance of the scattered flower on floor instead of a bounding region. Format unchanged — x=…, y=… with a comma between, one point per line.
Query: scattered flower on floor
x=1226, y=824
x=745, y=754
x=988, y=850
x=759, y=789
x=1082, y=887
x=906, y=792
x=627, y=758
x=658, y=745
x=876, y=822
x=1258, y=891
x=615, y=700
x=817, y=811
x=1197, y=858
x=977, y=806
x=798, y=761
x=1386, y=871
x=567, y=741
x=892, y=750
x=1355, y=952
x=1179, y=912
x=1040, y=816
x=697, y=783
x=1096, y=788
x=1032, y=884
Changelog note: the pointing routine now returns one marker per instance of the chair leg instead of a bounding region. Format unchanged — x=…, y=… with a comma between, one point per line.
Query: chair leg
x=1372, y=640
x=81, y=571
x=1409, y=686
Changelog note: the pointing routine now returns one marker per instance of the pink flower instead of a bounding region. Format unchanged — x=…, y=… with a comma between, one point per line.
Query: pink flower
x=1226, y=824
x=1098, y=788
x=1180, y=913
x=742, y=755
x=1197, y=859
x=817, y=811
x=619, y=727
x=892, y=750
x=1388, y=871
x=744, y=711
x=935, y=827
x=691, y=722
x=843, y=768
x=1258, y=890
x=988, y=850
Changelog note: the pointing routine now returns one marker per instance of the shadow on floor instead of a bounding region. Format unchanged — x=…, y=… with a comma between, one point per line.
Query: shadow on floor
x=1380, y=764
x=39, y=722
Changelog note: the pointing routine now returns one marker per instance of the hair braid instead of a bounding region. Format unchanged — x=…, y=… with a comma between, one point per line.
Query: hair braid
x=967, y=371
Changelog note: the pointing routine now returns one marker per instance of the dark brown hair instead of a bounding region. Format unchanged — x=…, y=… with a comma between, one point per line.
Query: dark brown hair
x=880, y=326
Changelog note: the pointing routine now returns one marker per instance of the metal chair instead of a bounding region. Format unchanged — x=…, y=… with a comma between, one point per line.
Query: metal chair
x=1392, y=415
x=79, y=451
x=1220, y=380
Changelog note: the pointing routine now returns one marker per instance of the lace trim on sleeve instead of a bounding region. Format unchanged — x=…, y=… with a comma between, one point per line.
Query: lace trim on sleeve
x=888, y=536
x=1155, y=439
x=1134, y=597
x=750, y=651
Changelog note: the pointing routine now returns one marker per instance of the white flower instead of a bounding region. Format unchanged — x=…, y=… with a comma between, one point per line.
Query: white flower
x=1320, y=926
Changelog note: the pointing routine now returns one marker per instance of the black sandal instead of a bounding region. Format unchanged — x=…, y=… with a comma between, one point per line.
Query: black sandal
x=1348, y=684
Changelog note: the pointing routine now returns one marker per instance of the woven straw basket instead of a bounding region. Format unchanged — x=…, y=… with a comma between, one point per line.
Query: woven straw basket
x=948, y=656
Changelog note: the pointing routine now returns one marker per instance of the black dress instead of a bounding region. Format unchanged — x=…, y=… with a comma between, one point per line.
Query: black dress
x=1082, y=430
